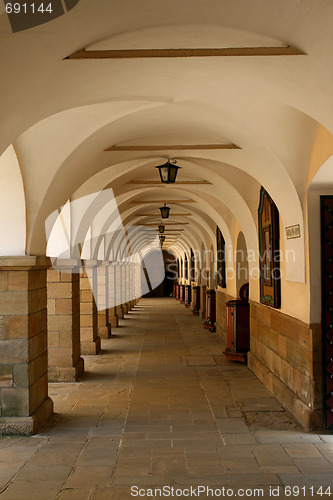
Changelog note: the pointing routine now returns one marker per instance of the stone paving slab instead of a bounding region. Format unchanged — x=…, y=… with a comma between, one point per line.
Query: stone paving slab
x=161, y=406
x=38, y=490
x=76, y=493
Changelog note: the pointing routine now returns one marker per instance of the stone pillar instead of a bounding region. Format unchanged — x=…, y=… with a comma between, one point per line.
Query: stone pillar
x=90, y=341
x=104, y=327
x=127, y=287
x=24, y=402
x=113, y=318
x=138, y=289
x=63, y=311
x=124, y=288
x=131, y=285
x=119, y=290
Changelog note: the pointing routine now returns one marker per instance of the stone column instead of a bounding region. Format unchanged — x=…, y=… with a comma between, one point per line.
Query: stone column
x=24, y=402
x=104, y=327
x=131, y=285
x=113, y=318
x=124, y=274
x=90, y=341
x=119, y=290
x=138, y=289
x=127, y=287
x=63, y=311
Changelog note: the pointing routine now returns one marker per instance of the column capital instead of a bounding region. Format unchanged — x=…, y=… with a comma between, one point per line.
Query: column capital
x=90, y=263
x=24, y=262
x=64, y=264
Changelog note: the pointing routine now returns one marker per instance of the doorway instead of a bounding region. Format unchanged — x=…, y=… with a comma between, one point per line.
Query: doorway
x=326, y=208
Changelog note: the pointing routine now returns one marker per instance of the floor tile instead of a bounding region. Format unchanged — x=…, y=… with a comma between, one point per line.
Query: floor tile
x=161, y=406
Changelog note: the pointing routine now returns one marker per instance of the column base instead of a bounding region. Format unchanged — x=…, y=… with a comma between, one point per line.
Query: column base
x=125, y=308
x=91, y=347
x=120, y=312
x=104, y=332
x=66, y=373
x=27, y=426
x=113, y=321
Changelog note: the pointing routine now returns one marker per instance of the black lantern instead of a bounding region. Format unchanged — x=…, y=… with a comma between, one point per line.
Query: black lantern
x=162, y=239
x=165, y=211
x=168, y=172
x=161, y=228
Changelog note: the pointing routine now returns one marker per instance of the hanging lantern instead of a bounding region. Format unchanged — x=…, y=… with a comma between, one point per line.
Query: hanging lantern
x=161, y=228
x=165, y=211
x=168, y=172
x=162, y=238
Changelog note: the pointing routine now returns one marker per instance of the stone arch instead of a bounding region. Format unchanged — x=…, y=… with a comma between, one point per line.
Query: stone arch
x=321, y=184
x=242, y=267
x=12, y=205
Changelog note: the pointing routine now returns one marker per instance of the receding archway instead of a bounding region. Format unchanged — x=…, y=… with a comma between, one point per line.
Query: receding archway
x=242, y=266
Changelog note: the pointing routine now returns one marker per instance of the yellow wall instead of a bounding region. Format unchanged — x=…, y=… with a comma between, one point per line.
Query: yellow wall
x=322, y=149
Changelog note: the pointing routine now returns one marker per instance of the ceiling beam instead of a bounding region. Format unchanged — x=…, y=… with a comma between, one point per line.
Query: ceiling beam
x=165, y=223
x=286, y=50
x=173, y=202
x=172, y=147
x=160, y=183
x=154, y=215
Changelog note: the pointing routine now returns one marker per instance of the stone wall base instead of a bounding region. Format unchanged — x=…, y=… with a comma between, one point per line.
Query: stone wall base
x=202, y=312
x=27, y=426
x=310, y=419
x=220, y=331
x=66, y=373
x=91, y=347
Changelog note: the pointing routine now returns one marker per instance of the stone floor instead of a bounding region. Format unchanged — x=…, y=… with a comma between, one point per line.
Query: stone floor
x=162, y=407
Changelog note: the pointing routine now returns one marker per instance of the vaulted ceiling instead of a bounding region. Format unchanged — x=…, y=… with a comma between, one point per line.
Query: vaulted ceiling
x=98, y=97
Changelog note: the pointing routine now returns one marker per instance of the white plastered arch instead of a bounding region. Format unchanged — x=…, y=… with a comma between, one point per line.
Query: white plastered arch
x=12, y=205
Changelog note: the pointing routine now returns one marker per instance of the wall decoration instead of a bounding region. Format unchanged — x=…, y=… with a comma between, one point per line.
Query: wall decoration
x=269, y=251
x=192, y=266
x=220, y=260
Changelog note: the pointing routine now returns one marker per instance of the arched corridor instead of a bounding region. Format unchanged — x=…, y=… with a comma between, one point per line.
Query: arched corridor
x=159, y=159
x=161, y=406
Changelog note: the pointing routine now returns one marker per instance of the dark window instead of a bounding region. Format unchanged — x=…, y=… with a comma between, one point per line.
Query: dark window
x=186, y=267
x=192, y=266
x=220, y=245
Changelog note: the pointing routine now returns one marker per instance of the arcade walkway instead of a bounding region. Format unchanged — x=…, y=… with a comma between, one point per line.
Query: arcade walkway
x=161, y=406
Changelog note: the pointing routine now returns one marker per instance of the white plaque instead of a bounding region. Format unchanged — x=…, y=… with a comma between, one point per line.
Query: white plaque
x=293, y=232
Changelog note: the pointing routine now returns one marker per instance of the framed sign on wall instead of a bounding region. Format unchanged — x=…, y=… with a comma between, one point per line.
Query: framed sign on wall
x=269, y=251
